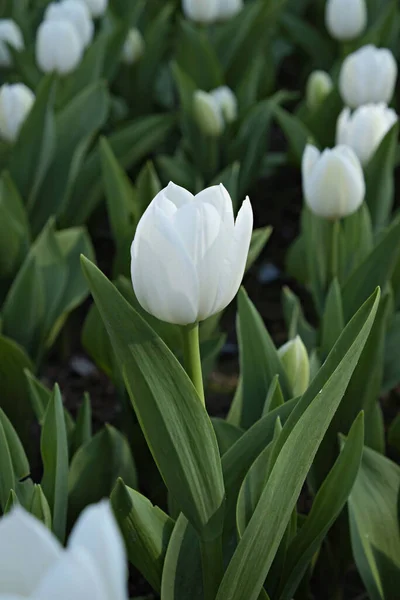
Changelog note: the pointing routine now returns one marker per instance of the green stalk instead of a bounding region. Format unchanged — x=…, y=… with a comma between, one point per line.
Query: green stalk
x=212, y=565
x=334, y=258
x=192, y=360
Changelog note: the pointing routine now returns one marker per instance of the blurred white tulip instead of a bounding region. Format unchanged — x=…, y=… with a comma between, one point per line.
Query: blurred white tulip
x=294, y=358
x=346, y=19
x=189, y=255
x=202, y=11
x=58, y=47
x=133, y=48
x=97, y=8
x=77, y=13
x=368, y=76
x=229, y=8
x=16, y=101
x=227, y=102
x=319, y=86
x=333, y=181
x=208, y=113
x=34, y=565
x=10, y=34
x=364, y=130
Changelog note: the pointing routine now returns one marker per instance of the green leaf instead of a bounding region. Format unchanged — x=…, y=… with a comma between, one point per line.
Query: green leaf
x=176, y=425
x=332, y=319
x=40, y=507
x=258, y=242
x=296, y=448
x=297, y=134
x=146, y=530
x=39, y=396
x=7, y=478
x=296, y=322
x=83, y=428
x=318, y=46
x=195, y=56
x=14, y=228
x=54, y=451
x=227, y=434
x=322, y=122
x=374, y=525
x=394, y=433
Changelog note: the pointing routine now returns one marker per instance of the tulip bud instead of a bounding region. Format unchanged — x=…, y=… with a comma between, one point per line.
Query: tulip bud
x=97, y=8
x=229, y=8
x=16, y=101
x=58, y=47
x=10, y=34
x=368, y=76
x=319, y=86
x=189, y=254
x=208, y=114
x=364, y=130
x=227, y=102
x=346, y=19
x=133, y=48
x=333, y=182
x=77, y=13
x=294, y=358
x=202, y=11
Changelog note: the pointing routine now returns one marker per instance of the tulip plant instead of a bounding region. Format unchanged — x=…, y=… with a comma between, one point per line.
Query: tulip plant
x=152, y=138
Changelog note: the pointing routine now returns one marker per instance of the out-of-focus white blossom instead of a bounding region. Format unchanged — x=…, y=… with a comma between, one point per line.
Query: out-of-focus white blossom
x=319, y=86
x=133, y=48
x=208, y=113
x=16, y=101
x=10, y=34
x=59, y=47
x=77, y=13
x=227, y=102
x=294, y=358
x=97, y=8
x=346, y=19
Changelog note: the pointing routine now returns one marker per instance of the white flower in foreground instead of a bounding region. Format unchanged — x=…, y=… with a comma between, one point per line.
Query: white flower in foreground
x=97, y=8
x=227, y=102
x=10, y=34
x=189, y=255
x=294, y=358
x=133, y=48
x=364, y=129
x=368, y=76
x=16, y=101
x=77, y=13
x=319, y=86
x=58, y=47
x=229, y=8
x=208, y=113
x=202, y=11
x=333, y=181
x=346, y=19
x=34, y=565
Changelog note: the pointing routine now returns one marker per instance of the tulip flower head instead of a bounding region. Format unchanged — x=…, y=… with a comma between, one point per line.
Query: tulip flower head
x=210, y=11
x=333, y=181
x=227, y=102
x=208, y=113
x=34, y=565
x=97, y=8
x=368, y=76
x=189, y=254
x=77, y=13
x=364, y=129
x=133, y=48
x=229, y=8
x=16, y=101
x=294, y=358
x=58, y=47
x=346, y=19
x=10, y=35
x=319, y=86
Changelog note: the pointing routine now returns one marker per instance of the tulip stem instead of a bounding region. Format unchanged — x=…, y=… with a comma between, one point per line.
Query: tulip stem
x=334, y=259
x=192, y=360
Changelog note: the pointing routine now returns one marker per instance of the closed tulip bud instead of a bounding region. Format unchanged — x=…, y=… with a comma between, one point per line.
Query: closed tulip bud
x=208, y=114
x=133, y=48
x=319, y=86
x=364, y=130
x=229, y=8
x=368, y=76
x=189, y=254
x=58, y=47
x=77, y=13
x=16, y=101
x=333, y=181
x=33, y=564
x=202, y=11
x=346, y=19
x=97, y=8
x=294, y=358
x=227, y=102
x=10, y=35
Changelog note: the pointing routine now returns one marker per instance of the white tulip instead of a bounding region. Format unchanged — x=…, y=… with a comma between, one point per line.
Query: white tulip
x=16, y=101
x=10, y=34
x=133, y=48
x=77, y=13
x=346, y=19
x=365, y=128
x=202, y=11
x=319, y=86
x=294, y=358
x=97, y=8
x=229, y=8
x=189, y=255
x=58, y=47
x=208, y=114
x=333, y=181
x=227, y=102
x=368, y=76
x=33, y=564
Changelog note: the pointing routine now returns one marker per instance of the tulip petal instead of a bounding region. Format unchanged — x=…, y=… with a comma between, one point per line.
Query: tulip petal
x=218, y=196
x=96, y=531
x=27, y=551
x=177, y=195
x=310, y=158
